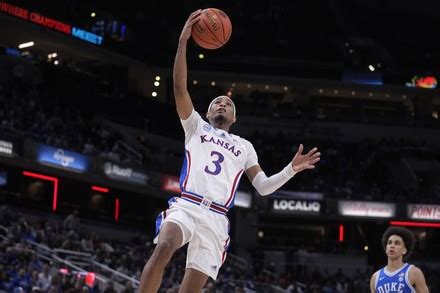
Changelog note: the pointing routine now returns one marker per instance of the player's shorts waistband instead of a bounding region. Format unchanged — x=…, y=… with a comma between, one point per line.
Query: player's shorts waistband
x=204, y=202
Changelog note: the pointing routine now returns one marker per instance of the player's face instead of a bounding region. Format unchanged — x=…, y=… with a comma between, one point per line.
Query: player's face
x=222, y=107
x=395, y=247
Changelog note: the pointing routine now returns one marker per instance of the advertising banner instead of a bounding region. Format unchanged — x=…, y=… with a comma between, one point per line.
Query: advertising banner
x=295, y=206
x=62, y=158
x=366, y=209
x=424, y=212
x=127, y=174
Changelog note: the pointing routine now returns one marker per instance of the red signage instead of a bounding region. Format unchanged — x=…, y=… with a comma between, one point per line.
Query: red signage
x=424, y=211
x=171, y=183
x=51, y=23
x=36, y=17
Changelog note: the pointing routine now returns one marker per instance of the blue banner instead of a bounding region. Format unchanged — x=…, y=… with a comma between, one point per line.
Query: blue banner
x=62, y=158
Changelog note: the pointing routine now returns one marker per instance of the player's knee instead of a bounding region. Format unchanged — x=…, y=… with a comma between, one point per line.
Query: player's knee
x=165, y=248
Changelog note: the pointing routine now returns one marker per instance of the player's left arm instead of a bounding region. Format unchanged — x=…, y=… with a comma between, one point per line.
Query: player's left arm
x=417, y=278
x=300, y=162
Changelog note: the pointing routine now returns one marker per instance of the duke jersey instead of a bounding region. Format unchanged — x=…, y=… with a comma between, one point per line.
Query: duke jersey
x=395, y=282
x=214, y=161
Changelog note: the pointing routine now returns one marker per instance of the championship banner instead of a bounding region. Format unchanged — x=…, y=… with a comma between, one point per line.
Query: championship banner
x=62, y=158
x=424, y=212
x=126, y=174
x=366, y=209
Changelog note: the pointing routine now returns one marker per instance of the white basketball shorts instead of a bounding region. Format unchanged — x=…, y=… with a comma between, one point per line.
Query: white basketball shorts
x=205, y=231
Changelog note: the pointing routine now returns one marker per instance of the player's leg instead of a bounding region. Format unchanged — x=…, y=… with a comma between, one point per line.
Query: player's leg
x=170, y=239
x=193, y=281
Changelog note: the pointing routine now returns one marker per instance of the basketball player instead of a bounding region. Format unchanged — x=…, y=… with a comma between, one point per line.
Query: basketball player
x=397, y=276
x=215, y=160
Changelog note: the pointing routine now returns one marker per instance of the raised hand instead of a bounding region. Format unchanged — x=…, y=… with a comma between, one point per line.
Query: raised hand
x=192, y=19
x=302, y=162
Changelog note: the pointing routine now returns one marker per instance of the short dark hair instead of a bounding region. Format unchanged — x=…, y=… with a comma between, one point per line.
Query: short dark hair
x=407, y=236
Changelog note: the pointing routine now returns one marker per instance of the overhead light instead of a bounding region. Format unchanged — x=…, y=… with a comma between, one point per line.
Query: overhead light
x=93, y=14
x=201, y=56
x=157, y=78
x=26, y=45
x=54, y=55
x=156, y=83
x=266, y=87
x=213, y=83
x=248, y=85
x=286, y=88
x=154, y=94
x=56, y=62
x=371, y=67
x=194, y=81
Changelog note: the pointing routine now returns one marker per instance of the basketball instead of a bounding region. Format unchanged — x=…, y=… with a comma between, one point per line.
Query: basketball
x=213, y=29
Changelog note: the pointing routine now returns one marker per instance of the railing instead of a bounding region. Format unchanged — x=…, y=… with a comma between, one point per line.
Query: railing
x=83, y=262
x=109, y=270
x=131, y=152
x=238, y=261
x=75, y=257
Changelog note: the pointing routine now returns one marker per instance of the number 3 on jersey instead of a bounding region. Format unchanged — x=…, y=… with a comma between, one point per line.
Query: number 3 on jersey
x=219, y=158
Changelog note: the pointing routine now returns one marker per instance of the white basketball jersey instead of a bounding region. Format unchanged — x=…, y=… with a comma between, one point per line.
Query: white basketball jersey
x=214, y=162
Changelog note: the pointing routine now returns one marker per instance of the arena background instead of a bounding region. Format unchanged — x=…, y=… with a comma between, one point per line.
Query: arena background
x=91, y=145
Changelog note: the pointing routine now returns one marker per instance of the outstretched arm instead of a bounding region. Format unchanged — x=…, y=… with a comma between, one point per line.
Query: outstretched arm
x=180, y=73
x=266, y=185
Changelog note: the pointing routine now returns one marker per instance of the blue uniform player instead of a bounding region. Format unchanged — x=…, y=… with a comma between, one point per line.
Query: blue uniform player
x=397, y=276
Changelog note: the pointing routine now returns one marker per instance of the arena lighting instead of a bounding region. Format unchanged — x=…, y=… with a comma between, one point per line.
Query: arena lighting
x=26, y=45
x=157, y=78
x=201, y=56
x=341, y=233
x=371, y=67
x=48, y=178
x=117, y=209
x=100, y=189
x=93, y=14
x=156, y=83
x=154, y=94
x=415, y=224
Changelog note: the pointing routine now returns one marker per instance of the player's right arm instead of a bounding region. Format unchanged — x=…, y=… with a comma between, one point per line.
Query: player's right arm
x=180, y=72
x=373, y=283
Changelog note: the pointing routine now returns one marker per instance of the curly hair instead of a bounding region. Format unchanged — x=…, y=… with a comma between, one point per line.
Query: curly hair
x=407, y=236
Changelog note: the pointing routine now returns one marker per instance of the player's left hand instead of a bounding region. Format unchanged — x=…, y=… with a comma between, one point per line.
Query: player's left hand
x=302, y=162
